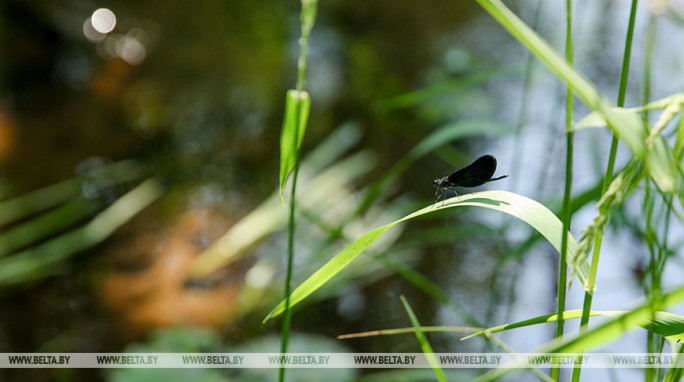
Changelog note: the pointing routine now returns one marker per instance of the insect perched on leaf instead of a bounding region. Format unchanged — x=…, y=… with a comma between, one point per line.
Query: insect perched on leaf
x=472, y=175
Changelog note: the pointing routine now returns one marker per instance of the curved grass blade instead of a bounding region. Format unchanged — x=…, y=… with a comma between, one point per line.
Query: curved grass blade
x=528, y=210
x=424, y=343
x=608, y=331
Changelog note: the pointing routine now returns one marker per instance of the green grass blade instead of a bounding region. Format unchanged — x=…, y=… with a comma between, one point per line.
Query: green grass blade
x=454, y=131
x=297, y=106
x=430, y=93
x=269, y=217
x=528, y=210
x=33, y=202
x=660, y=160
x=41, y=261
x=666, y=324
x=568, y=314
x=49, y=223
x=624, y=123
x=608, y=331
x=423, y=341
x=594, y=119
x=662, y=167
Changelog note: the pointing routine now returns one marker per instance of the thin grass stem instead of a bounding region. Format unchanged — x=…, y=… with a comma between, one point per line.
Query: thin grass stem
x=608, y=178
x=567, y=193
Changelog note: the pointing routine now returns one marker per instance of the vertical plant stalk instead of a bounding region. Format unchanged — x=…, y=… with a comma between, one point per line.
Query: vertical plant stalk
x=649, y=200
x=308, y=16
x=608, y=178
x=566, y=214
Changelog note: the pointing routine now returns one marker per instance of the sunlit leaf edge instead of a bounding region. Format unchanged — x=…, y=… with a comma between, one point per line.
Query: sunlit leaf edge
x=528, y=210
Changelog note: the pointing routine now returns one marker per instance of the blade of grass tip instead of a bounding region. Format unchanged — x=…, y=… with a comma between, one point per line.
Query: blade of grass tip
x=297, y=107
x=423, y=341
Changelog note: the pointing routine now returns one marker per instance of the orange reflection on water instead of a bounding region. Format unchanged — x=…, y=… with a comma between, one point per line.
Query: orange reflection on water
x=147, y=290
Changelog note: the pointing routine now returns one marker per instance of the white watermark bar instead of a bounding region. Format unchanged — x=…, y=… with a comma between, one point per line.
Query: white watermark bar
x=339, y=360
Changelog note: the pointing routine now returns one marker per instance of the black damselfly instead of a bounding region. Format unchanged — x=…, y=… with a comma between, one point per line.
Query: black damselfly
x=472, y=175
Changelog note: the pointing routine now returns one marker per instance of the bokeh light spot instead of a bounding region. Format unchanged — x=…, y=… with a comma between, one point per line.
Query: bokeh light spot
x=103, y=20
x=131, y=50
x=90, y=33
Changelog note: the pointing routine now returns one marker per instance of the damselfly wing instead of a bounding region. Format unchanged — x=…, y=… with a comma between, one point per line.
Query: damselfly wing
x=475, y=174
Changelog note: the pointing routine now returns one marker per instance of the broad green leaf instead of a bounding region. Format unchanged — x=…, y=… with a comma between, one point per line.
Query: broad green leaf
x=626, y=124
x=528, y=210
x=423, y=341
x=297, y=106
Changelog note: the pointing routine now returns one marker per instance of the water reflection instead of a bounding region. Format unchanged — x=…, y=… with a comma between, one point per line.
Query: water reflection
x=131, y=46
x=196, y=96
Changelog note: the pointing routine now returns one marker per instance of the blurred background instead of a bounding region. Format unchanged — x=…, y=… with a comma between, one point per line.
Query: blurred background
x=139, y=168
